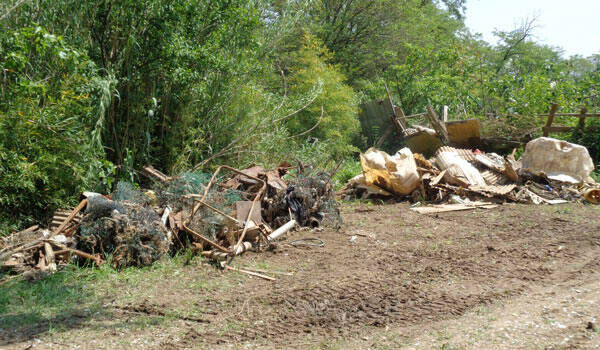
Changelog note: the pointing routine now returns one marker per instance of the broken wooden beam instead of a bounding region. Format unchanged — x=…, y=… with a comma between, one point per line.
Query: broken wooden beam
x=256, y=274
x=77, y=209
x=439, y=127
x=79, y=253
x=153, y=173
x=550, y=119
x=452, y=207
x=50, y=258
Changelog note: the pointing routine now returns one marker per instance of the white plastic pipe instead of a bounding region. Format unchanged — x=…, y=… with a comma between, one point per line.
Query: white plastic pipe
x=282, y=230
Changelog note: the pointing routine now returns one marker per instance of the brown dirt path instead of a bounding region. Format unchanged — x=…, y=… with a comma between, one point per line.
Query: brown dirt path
x=513, y=277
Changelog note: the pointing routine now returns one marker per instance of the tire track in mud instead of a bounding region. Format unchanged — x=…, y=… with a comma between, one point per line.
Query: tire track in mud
x=335, y=309
x=416, y=282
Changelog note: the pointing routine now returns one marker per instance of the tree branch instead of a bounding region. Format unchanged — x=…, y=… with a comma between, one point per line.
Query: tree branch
x=311, y=129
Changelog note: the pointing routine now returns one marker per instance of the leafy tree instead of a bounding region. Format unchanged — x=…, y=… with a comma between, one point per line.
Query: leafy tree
x=173, y=64
x=51, y=97
x=331, y=116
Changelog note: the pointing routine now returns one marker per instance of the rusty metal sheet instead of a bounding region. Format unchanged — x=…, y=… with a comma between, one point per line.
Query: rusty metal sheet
x=242, y=208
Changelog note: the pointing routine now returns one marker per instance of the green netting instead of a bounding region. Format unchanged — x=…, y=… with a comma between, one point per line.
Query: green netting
x=126, y=191
x=133, y=234
x=206, y=222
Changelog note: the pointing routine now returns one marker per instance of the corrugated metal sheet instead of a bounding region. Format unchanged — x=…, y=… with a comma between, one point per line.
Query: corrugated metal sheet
x=495, y=189
x=494, y=178
x=465, y=154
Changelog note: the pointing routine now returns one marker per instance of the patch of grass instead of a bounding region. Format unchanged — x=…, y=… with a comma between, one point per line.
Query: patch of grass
x=229, y=326
x=263, y=266
x=50, y=301
x=356, y=202
x=349, y=169
x=564, y=210
x=77, y=293
x=326, y=345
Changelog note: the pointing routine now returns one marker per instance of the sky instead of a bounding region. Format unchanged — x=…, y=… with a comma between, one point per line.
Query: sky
x=573, y=25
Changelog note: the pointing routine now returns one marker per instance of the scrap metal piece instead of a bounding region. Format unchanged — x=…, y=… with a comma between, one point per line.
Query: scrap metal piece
x=257, y=198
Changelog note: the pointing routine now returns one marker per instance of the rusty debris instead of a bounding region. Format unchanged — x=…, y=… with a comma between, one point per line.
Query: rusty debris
x=220, y=216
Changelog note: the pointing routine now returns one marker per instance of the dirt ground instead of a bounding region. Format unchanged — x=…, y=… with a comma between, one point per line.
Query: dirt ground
x=514, y=277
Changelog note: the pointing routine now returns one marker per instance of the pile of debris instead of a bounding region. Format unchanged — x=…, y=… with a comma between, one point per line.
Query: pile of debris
x=220, y=216
x=550, y=171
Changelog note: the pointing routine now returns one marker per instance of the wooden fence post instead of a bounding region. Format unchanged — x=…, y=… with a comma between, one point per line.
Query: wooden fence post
x=581, y=125
x=550, y=119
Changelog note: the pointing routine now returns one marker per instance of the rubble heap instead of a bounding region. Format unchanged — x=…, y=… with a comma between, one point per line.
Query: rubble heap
x=133, y=234
x=550, y=171
x=220, y=216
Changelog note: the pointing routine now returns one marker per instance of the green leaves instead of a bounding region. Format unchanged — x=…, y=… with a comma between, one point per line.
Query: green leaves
x=46, y=115
x=331, y=117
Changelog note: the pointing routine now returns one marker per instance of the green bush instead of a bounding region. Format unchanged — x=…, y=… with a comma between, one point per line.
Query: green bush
x=48, y=111
x=332, y=115
x=589, y=139
x=349, y=169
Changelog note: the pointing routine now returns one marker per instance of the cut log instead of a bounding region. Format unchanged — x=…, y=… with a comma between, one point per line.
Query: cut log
x=50, y=258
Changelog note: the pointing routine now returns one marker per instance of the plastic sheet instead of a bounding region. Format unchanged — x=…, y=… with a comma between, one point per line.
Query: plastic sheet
x=397, y=174
x=558, y=160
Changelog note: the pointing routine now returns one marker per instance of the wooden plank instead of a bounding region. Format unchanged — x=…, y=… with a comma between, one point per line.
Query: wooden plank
x=81, y=205
x=451, y=207
x=437, y=125
x=550, y=118
x=567, y=115
x=566, y=128
x=268, y=278
x=397, y=123
x=424, y=114
x=401, y=117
